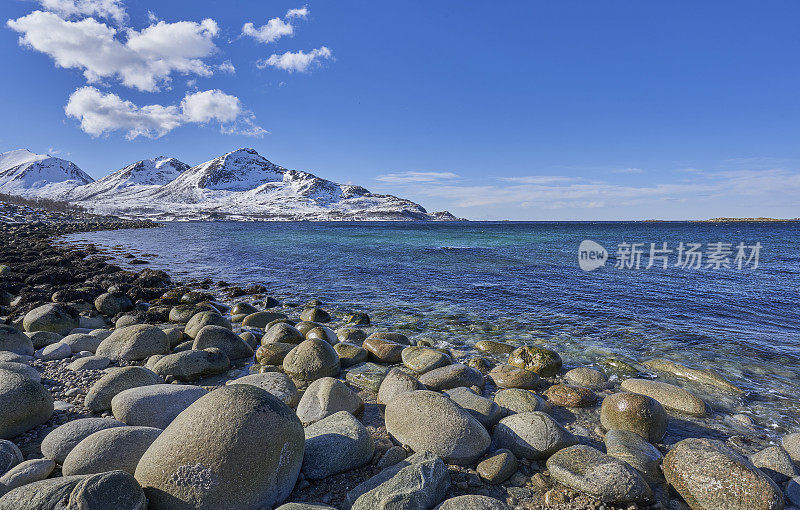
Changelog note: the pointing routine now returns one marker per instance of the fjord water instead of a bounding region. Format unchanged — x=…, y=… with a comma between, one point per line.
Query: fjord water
x=464, y=282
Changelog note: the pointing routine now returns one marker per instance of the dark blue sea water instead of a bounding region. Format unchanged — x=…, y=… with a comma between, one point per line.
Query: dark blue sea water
x=473, y=281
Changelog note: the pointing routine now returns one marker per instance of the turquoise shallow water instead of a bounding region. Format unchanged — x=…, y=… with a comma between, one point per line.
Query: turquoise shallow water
x=466, y=282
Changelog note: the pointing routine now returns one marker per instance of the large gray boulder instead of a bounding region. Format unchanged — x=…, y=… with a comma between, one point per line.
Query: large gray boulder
x=26, y=472
x=82, y=342
x=43, y=338
x=278, y=384
x=636, y=413
x=429, y=421
x=396, y=383
x=53, y=317
x=61, y=440
x=238, y=447
x=709, y=474
x=533, y=435
x=24, y=403
x=261, y=319
x=336, y=444
x=282, y=333
x=312, y=359
x=633, y=449
x=325, y=397
x=112, y=303
x=203, y=319
x=98, y=398
x=115, y=489
x=223, y=339
x=154, y=406
x=192, y=365
x=118, y=448
x=589, y=470
x=483, y=409
x=14, y=340
x=451, y=376
x=135, y=343
x=418, y=482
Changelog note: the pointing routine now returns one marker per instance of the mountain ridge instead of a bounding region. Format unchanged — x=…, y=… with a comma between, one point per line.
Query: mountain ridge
x=238, y=185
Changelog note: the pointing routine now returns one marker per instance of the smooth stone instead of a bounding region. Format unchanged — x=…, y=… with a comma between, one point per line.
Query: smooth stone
x=368, y=376
x=306, y=326
x=392, y=456
x=452, y=376
x=323, y=333
x=304, y=506
x=632, y=448
x=127, y=320
x=396, y=383
x=473, y=502
x=223, y=339
x=14, y=340
x=101, y=333
x=183, y=313
x=492, y=347
x=498, y=467
x=703, y=376
x=60, y=405
x=192, y=365
x=335, y=444
x=484, y=410
x=570, y=396
x=89, y=363
x=203, y=319
x=216, y=454
x=792, y=491
x=419, y=482
x=22, y=369
x=774, y=462
x=98, y=398
x=61, y=440
x=327, y=396
x=515, y=400
x=351, y=335
x=53, y=352
x=791, y=443
x=53, y=317
x=273, y=353
x=423, y=359
x=24, y=403
x=45, y=494
x=156, y=405
x=670, y=396
x=13, y=357
x=10, y=456
x=42, y=338
x=282, y=333
x=243, y=308
x=429, y=421
x=102, y=491
x=350, y=354
x=708, y=474
x=533, y=435
x=312, y=359
x=261, y=319
x=278, y=384
x=636, y=413
x=545, y=362
x=391, y=336
x=113, y=303
x=586, y=377
x=384, y=351
x=250, y=339
x=118, y=448
x=357, y=318
x=509, y=376
x=134, y=343
x=26, y=472
x=589, y=470
x=315, y=314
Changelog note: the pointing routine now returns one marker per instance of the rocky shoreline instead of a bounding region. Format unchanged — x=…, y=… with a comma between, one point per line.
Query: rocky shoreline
x=121, y=388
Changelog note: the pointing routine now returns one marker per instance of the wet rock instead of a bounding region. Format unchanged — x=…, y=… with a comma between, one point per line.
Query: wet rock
x=396, y=383
x=774, y=462
x=632, y=448
x=514, y=401
x=636, y=413
x=323, y=333
x=586, y=377
x=111, y=449
x=315, y=315
x=570, y=396
x=58, y=443
x=192, y=365
x=334, y=444
x=98, y=398
x=703, y=376
x=708, y=474
x=498, y=467
x=243, y=309
x=423, y=359
x=420, y=481
x=484, y=410
x=24, y=403
x=451, y=376
x=14, y=340
x=223, y=339
x=261, y=319
x=357, y=319
x=112, y=303
x=327, y=396
x=154, y=406
x=429, y=421
x=273, y=353
x=509, y=376
x=391, y=336
x=354, y=336
x=197, y=461
x=533, y=435
x=384, y=351
x=350, y=354
x=53, y=317
x=671, y=397
x=545, y=362
x=588, y=470
x=134, y=343
x=492, y=347
x=311, y=360
x=368, y=376
x=282, y=333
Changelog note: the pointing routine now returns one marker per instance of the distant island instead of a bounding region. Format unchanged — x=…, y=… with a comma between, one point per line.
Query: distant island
x=730, y=220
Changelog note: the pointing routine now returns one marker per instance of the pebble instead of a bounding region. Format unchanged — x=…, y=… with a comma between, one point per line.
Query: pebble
x=498, y=467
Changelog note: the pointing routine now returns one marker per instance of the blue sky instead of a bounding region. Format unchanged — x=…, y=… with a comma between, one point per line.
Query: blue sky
x=493, y=110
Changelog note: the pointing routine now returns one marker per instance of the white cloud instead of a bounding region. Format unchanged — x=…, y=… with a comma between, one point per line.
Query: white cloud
x=628, y=171
x=101, y=113
x=296, y=61
x=407, y=177
x=539, y=179
x=152, y=18
x=297, y=13
x=107, y=9
x=145, y=60
x=227, y=67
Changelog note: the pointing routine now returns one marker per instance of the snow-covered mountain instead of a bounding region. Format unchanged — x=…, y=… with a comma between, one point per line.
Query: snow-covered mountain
x=240, y=185
x=38, y=175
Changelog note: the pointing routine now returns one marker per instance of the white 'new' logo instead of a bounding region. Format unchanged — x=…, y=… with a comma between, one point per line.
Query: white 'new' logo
x=591, y=255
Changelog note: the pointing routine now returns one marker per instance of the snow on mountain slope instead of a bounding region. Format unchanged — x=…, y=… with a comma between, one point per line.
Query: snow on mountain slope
x=134, y=179
x=39, y=176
